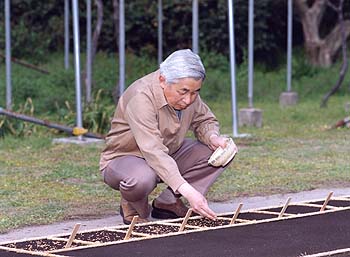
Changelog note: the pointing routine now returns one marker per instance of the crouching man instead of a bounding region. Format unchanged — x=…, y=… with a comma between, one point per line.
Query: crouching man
x=146, y=144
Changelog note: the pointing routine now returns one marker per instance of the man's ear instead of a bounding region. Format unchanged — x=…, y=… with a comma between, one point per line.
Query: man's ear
x=162, y=81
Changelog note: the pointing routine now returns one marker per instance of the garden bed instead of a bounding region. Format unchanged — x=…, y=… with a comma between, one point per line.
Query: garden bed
x=303, y=229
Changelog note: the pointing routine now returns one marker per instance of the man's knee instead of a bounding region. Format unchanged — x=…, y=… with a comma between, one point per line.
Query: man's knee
x=133, y=189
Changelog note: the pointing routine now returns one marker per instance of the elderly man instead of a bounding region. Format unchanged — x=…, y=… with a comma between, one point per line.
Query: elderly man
x=146, y=144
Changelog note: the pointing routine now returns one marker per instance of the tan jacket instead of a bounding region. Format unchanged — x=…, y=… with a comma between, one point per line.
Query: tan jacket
x=144, y=125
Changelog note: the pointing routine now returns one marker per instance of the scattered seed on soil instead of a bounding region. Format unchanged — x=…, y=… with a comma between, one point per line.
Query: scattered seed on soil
x=252, y=216
x=156, y=229
x=101, y=236
x=205, y=222
x=41, y=245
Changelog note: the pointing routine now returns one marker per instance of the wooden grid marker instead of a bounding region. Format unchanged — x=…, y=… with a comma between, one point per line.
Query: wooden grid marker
x=284, y=208
x=72, y=236
x=184, y=222
x=236, y=214
x=132, y=224
x=326, y=201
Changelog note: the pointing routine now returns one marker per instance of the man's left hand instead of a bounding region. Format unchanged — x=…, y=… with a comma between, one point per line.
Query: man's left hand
x=216, y=141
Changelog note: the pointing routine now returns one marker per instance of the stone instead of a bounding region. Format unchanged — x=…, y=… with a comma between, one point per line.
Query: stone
x=347, y=106
x=79, y=140
x=288, y=99
x=250, y=117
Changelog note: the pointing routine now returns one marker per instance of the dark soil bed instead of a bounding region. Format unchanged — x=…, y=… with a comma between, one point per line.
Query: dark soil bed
x=157, y=229
x=101, y=236
x=205, y=222
x=295, y=209
x=335, y=203
x=4, y=253
x=41, y=245
x=298, y=236
x=281, y=238
x=253, y=216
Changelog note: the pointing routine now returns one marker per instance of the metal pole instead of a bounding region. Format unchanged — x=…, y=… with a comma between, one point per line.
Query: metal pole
x=66, y=34
x=195, y=26
x=251, y=53
x=88, y=51
x=121, y=48
x=233, y=68
x=45, y=123
x=77, y=62
x=8, y=55
x=160, y=31
x=289, y=46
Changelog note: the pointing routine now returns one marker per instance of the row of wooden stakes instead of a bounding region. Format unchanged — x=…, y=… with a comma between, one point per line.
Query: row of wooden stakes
x=188, y=215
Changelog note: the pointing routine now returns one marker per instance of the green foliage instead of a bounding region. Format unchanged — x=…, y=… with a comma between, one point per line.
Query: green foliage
x=301, y=67
x=45, y=90
x=96, y=116
x=52, y=93
x=17, y=127
x=38, y=28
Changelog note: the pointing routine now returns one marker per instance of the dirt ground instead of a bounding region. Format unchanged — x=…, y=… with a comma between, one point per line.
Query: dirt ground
x=219, y=207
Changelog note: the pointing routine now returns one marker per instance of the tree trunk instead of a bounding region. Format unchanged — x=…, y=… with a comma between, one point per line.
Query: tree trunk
x=94, y=45
x=344, y=67
x=319, y=52
x=98, y=28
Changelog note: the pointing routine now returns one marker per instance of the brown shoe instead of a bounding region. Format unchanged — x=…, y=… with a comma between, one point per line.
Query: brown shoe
x=128, y=212
x=168, y=211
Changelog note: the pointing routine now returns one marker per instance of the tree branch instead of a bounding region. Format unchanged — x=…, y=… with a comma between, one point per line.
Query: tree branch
x=344, y=67
x=98, y=28
x=26, y=64
x=301, y=6
x=319, y=8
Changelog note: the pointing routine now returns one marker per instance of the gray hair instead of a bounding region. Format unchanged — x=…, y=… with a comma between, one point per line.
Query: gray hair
x=182, y=64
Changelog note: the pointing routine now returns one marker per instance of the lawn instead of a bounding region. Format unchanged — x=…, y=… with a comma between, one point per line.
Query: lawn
x=42, y=182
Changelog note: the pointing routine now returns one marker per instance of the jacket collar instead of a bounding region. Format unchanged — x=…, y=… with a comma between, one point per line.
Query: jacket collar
x=158, y=92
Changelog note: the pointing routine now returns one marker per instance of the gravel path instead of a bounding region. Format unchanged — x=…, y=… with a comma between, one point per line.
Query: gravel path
x=230, y=206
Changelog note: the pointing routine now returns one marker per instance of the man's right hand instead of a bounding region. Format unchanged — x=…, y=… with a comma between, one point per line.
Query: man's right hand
x=197, y=201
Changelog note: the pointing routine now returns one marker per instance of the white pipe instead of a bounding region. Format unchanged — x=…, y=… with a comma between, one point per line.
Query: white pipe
x=8, y=55
x=160, y=31
x=251, y=53
x=195, y=26
x=88, y=51
x=66, y=34
x=289, y=46
x=233, y=68
x=77, y=62
x=121, y=48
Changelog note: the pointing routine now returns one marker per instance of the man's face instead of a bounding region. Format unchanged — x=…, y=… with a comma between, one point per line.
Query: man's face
x=181, y=94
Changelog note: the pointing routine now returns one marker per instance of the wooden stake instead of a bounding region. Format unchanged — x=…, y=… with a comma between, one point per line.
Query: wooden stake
x=72, y=236
x=284, y=208
x=326, y=201
x=184, y=222
x=132, y=224
x=236, y=214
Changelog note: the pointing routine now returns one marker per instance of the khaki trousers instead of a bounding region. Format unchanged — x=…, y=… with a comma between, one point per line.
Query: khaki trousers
x=136, y=180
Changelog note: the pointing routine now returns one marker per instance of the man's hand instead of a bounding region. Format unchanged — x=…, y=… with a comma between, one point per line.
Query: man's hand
x=216, y=141
x=197, y=201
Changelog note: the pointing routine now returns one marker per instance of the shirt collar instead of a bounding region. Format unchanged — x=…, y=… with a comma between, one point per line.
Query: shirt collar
x=159, y=96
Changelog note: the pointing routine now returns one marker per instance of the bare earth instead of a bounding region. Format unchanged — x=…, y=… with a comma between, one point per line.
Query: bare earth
x=230, y=206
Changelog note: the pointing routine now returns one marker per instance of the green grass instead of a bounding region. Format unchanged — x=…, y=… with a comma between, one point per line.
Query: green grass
x=294, y=151
x=42, y=182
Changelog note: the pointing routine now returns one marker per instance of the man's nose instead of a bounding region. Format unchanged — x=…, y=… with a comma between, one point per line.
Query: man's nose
x=187, y=99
